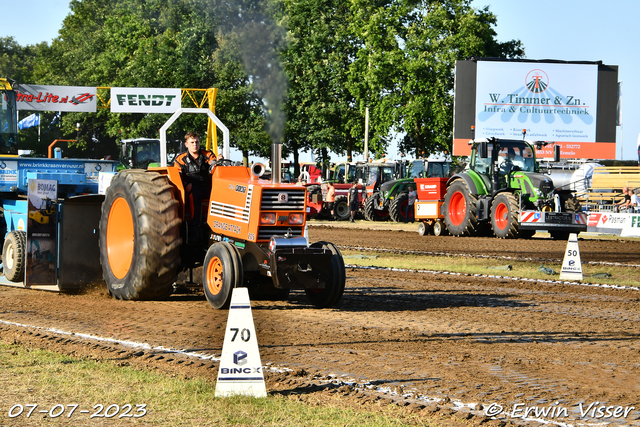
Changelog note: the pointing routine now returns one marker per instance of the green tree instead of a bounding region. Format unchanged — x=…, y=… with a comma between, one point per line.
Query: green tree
x=139, y=43
x=405, y=69
x=322, y=113
x=242, y=108
x=16, y=62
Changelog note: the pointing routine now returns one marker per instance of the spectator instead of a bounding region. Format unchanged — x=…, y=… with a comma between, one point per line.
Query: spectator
x=413, y=195
x=635, y=200
x=625, y=202
x=352, y=199
x=331, y=198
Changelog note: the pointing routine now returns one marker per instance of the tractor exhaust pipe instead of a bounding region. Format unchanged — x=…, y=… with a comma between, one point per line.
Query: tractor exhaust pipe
x=276, y=162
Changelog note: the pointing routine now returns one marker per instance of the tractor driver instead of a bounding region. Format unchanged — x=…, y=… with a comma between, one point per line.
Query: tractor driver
x=195, y=167
x=511, y=161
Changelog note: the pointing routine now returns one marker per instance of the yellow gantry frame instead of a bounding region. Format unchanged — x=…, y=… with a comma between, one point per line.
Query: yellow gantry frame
x=197, y=97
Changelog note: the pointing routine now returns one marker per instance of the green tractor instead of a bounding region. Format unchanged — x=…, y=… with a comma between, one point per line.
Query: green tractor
x=142, y=153
x=379, y=173
x=504, y=193
x=393, y=198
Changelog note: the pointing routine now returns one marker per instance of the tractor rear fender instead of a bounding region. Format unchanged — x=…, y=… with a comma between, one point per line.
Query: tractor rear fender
x=471, y=181
x=179, y=193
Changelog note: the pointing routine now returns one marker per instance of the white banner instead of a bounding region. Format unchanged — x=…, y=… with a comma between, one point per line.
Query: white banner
x=144, y=100
x=553, y=102
x=57, y=98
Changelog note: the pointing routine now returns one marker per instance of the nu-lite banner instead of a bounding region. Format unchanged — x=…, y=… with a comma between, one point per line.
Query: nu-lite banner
x=144, y=100
x=57, y=98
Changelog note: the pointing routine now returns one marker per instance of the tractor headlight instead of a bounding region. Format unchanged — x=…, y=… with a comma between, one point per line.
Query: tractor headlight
x=296, y=219
x=267, y=218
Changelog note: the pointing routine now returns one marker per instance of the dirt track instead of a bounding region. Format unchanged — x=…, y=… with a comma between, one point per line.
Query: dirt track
x=453, y=337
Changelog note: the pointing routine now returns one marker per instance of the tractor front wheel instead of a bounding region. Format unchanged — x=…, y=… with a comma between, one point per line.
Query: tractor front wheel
x=398, y=208
x=504, y=216
x=370, y=211
x=341, y=208
x=221, y=272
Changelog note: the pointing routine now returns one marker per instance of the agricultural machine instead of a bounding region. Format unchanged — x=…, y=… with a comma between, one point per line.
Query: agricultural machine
x=379, y=173
x=61, y=232
x=255, y=229
x=504, y=192
x=51, y=209
x=342, y=175
x=427, y=207
x=394, y=194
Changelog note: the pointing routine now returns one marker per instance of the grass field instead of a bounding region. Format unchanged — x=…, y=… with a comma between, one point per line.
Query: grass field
x=62, y=387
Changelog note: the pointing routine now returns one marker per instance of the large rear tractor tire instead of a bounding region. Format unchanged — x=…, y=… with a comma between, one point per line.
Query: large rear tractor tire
x=140, y=236
x=371, y=213
x=398, y=208
x=221, y=273
x=331, y=294
x=504, y=216
x=460, y=210
x=14, y=255
x=341, y=208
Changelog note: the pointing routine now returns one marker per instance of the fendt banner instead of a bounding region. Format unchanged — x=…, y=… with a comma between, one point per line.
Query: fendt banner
x=144, y=100
x=57, y=98
x=573, y=104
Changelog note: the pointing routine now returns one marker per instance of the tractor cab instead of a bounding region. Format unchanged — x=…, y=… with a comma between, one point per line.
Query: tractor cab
x=142, y=153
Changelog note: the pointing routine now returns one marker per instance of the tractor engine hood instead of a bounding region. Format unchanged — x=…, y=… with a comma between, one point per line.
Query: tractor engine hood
x=386, y=186
x=540, y=181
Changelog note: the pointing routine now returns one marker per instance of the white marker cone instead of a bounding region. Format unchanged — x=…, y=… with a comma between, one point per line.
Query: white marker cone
x=571, y=265
x=240, y=370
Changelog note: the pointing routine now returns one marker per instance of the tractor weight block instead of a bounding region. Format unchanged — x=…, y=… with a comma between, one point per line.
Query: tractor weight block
x=300, y=267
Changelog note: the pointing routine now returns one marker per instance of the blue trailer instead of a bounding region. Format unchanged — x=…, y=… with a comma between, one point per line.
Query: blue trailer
x=50, y=210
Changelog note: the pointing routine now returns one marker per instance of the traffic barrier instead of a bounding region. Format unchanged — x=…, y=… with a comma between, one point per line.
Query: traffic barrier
x=240, y=371
x=571, y=265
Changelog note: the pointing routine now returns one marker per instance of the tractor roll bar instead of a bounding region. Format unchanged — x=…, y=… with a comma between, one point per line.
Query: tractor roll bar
x=163, y=132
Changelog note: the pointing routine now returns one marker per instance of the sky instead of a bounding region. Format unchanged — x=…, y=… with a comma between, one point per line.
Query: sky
x=571, y=30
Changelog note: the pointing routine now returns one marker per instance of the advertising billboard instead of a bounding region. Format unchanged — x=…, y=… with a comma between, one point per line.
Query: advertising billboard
x=144, y=100
x=573, y=104
x=57, y=98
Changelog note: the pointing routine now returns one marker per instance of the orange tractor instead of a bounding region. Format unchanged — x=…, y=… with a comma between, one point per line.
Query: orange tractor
x=256, y=231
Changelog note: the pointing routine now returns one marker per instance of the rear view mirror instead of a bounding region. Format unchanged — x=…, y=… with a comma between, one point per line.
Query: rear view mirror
x=556, y=153
x=484, y=151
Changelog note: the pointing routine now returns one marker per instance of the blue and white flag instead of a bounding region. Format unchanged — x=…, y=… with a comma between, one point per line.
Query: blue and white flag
x=30, y=121
x=55, y=121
